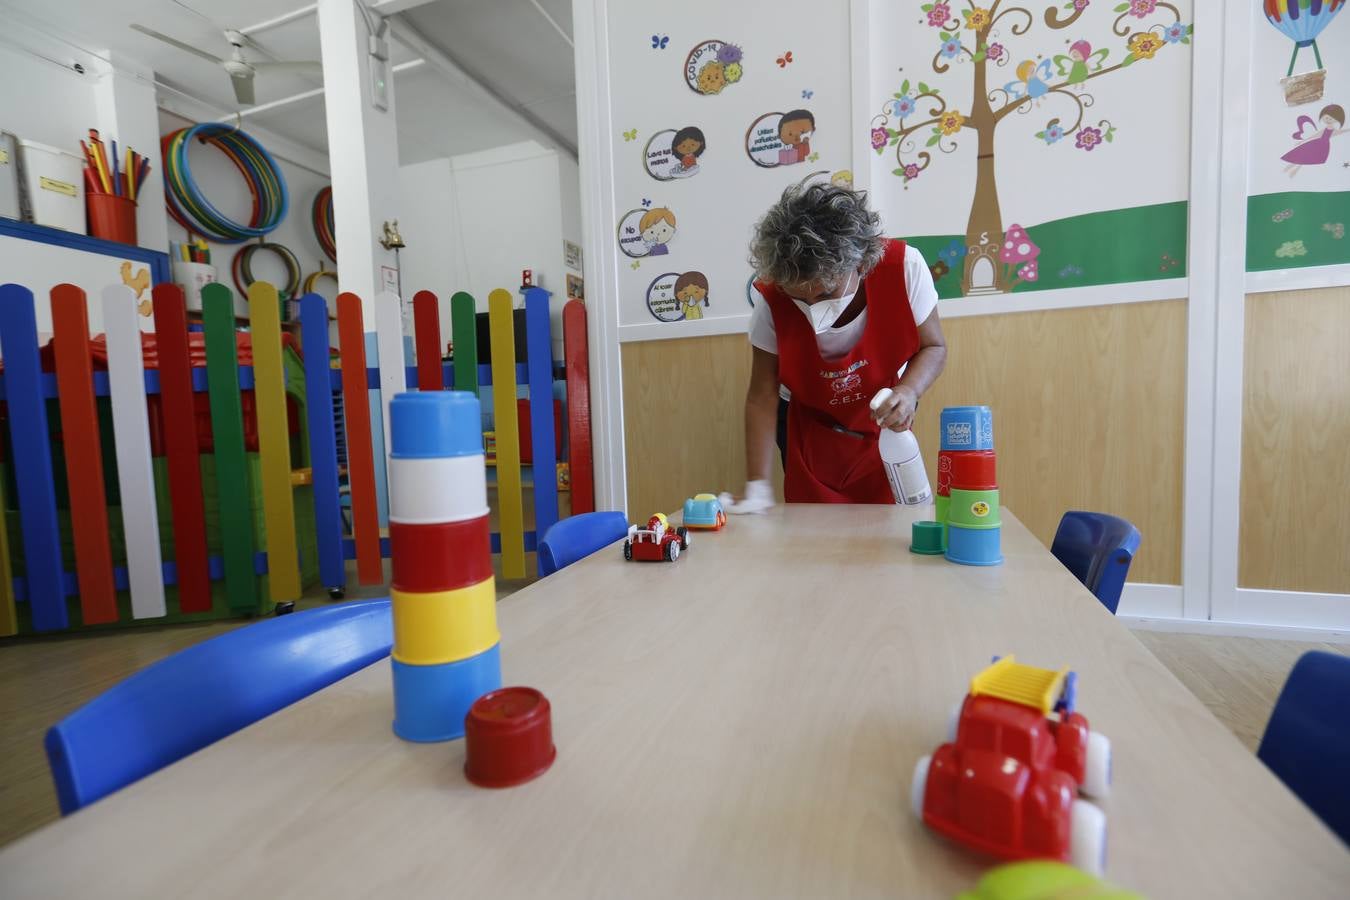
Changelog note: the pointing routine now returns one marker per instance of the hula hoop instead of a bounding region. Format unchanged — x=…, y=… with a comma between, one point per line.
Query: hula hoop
x=190, y=208
x=242, y=269
x=321, y=214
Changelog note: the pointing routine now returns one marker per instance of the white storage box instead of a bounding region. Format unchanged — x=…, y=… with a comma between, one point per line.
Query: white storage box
x=10, y=208
x=55, y=183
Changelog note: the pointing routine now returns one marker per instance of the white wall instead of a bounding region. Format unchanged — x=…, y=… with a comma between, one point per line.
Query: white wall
x=473, y=222
x=222, y=184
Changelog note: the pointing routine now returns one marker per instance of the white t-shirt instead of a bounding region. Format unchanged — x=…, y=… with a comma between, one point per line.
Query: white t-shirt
x=835, y=342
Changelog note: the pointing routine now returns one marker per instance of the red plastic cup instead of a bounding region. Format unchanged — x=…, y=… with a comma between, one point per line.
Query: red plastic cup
x=967, y=470
x=509, y=737
x=440, y=557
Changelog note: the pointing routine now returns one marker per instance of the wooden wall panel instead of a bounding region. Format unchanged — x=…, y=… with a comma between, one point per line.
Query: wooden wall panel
x=1088, y=407
x=1295, y=529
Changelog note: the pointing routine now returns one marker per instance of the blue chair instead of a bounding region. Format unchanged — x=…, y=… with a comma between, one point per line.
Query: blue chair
x=1307, y=741
x=577, y=537
x=1097, y=549
x=204, y=693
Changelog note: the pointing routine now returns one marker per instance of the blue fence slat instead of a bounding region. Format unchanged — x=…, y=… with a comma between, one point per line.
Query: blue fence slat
x=215, y=571
x=539, y=361
x=33, y=457
x=322, y=440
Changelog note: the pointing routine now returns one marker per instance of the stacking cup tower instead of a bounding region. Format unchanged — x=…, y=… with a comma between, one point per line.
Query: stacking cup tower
x=967, y=490
x=445, y=600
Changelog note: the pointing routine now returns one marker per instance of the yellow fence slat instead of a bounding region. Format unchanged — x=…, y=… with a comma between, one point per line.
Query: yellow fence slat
x=274, y=444
x=511, y=514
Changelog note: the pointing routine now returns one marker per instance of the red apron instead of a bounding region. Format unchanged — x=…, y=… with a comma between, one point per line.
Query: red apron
x=832, y=454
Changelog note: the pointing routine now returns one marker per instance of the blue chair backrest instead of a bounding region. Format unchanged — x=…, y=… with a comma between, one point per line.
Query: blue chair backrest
x=577, y=537
x=1097, y=549
x=1307, y=741
x=208, y=691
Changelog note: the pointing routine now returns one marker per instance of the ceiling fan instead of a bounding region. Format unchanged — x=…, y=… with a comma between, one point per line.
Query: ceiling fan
x=238, y=67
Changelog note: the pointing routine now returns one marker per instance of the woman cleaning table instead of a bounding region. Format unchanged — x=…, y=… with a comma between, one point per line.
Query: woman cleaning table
x=843, y=310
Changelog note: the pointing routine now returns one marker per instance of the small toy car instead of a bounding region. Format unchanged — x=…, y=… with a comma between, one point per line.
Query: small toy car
x=658, y=541
x=1007, y=781
x=704, y=512
x=1042, y=879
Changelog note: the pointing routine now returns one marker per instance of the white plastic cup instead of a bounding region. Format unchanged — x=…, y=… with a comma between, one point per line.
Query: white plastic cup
x=429, y=491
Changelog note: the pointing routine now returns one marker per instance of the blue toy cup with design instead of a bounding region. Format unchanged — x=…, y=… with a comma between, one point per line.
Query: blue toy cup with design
x=967, y=428
x=974, y=546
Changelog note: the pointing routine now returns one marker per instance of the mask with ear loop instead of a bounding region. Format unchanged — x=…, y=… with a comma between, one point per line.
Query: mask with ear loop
x=824, y=313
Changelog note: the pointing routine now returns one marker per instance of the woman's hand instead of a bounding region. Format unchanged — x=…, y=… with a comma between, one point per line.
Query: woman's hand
x=758, y=498
x=896, y=410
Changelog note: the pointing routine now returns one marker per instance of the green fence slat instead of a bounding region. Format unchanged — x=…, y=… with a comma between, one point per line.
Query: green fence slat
x=227, y=428
x=464, y=332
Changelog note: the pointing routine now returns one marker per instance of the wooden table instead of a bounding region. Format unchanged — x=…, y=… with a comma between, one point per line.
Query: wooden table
x=742, y=723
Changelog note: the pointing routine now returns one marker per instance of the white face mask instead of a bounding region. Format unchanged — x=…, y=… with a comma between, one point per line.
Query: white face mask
x=824, y=313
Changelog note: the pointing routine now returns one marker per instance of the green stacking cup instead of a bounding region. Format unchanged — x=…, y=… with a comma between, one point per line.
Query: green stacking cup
x=974, y=509
x=926, y=538
x=941, y=505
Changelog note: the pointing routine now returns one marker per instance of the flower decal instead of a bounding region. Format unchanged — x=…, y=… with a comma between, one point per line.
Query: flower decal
x=1144, y=44
x=1142, y=9
x=1080, y=5
x=878, y=139
x=995, y=52
x=1290, y=249
x=952, y=252
x=1088, y=138
x=950, y=47
x=1176, y=33
x=938, y=269
x=903, y=106
x=1053, y=132
x=911, y=171
x=950, y=122
x=938, y=14
x=977, y=18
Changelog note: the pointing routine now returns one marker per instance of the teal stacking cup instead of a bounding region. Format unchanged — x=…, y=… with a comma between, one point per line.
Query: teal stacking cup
x=926, y=538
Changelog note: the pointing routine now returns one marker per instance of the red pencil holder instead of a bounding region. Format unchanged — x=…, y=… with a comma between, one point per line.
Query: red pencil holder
x=968, y=470
x=111, y=217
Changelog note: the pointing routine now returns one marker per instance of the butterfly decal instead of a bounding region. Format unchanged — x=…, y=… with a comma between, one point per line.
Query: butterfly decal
x=647, y=203
x=630, y=135
x=813, y=157
x=808, y=94
x=636, y=263
x=784, y=59
x=659, y=41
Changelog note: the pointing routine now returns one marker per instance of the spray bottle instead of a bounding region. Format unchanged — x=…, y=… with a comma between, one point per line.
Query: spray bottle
x=902, y=460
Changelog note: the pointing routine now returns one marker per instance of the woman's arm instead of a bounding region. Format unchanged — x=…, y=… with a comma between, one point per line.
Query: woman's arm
x=761, y=415
x=897, y=413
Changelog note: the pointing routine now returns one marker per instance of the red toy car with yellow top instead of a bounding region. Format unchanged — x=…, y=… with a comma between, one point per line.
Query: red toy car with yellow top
x=657, y=542
x=1007, y=781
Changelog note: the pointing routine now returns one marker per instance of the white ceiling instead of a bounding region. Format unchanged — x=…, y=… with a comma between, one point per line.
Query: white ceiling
x=508, y=43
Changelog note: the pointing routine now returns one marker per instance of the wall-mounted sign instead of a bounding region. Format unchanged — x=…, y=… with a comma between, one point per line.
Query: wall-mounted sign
x=678, y=296
x=711, y=66
x=646, y=232
x=674, y=153
x=780, y=139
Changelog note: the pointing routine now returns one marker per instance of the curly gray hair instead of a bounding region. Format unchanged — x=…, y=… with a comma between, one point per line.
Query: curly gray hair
x=817, y=232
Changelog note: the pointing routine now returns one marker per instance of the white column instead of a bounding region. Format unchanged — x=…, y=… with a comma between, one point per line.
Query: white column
x=362, y=153
x=124, y=98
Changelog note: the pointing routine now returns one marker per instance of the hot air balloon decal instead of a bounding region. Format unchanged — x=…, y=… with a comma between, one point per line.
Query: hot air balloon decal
x=1302, y=21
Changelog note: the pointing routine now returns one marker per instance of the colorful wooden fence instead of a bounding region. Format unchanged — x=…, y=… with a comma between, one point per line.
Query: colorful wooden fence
x=233, y=550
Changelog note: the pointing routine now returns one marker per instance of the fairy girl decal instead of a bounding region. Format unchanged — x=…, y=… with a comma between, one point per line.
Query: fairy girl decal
x=1314, y=138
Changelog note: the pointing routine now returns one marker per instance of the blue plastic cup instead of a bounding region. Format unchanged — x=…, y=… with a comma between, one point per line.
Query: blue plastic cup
x=974, y=546
x=430, y=702
x=967, y=428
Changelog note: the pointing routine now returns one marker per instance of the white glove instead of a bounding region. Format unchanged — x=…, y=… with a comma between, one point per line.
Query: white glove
x=758, y=499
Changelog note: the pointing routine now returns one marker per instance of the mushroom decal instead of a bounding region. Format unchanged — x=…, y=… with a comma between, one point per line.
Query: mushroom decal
x=1018, y=250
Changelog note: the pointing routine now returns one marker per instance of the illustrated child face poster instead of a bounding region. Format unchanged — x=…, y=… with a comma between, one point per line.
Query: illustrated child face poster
x=675, y=296
x=780, y=139
x=674, y=153
x=646, y=232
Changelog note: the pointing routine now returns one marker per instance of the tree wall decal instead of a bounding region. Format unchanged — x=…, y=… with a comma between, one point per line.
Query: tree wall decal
x=991, y=263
